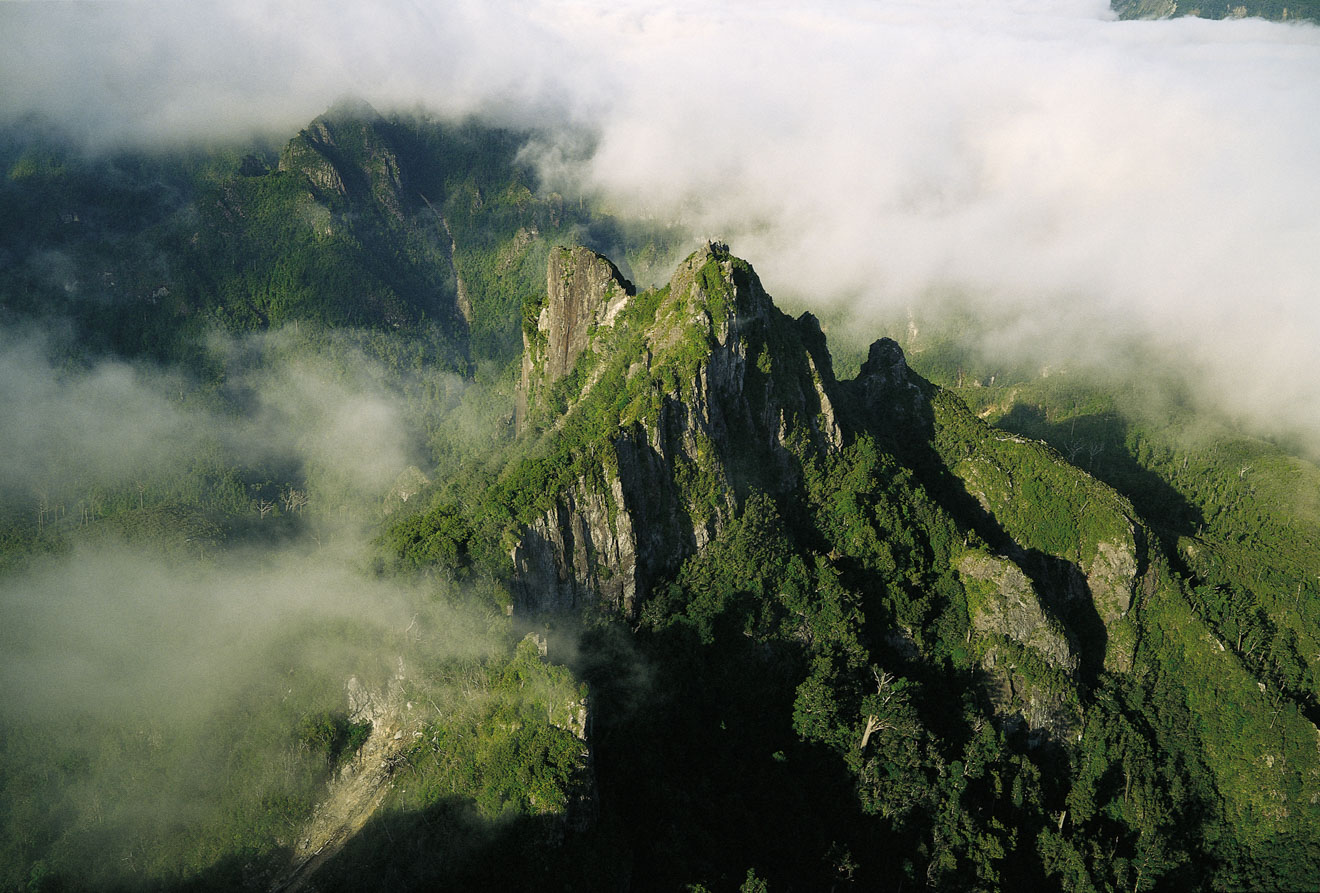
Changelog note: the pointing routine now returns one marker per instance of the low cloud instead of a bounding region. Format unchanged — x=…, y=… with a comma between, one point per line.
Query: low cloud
x=326, y=414
x=1094, y=181
x=66, y=431
x=1076, y=180
x=163, y=639
x=1099, y=180
x=106, y=618
x=111, y=630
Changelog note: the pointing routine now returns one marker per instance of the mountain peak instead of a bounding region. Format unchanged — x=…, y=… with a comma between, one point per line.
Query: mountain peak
x=351, y=109
x=346, y=152
x=583, y=291
x=716, y=281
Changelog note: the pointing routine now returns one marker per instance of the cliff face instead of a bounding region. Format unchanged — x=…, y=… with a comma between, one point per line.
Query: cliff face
x=703, y=393
x=605, y=541
x=583, y=292
x=709, y=404
x=674, y=405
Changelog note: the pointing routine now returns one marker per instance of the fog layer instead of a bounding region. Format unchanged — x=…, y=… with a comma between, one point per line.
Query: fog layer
x=1090, y=180
x=175, y=559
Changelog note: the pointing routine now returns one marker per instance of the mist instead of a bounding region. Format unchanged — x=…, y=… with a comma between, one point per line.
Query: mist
x=1073, y=184
x=1083, y=180
x=111, y=454
x=112, y=630
x=170, y=616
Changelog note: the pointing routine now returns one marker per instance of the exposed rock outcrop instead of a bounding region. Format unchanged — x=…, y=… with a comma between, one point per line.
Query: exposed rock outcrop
x=345, y=152
x=722, y=382
x=1021, y=695
x=362, y=783
x=583, y=291
x=887, y=396
x=603, y=544
x=1030, y=683
x=718, y=394
x=581, y=551
x=1002, y=601
x=1111, y=577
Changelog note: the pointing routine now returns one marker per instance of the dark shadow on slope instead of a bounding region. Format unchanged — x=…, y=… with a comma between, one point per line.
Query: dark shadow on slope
x=1098, y=444
x=896, y=405
x=1066, y=593
x=238, y=871
x=448, y=846
x=701, y=775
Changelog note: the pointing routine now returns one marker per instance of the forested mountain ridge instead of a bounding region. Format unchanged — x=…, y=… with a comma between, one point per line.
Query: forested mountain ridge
x=872, y=533
x=1276, y=10
x=359, y=220
x=790, y=629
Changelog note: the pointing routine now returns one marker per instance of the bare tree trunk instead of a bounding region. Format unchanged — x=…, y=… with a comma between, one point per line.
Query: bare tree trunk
x=872, y=725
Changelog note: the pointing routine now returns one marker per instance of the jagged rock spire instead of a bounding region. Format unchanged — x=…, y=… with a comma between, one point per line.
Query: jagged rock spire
x=583, y=291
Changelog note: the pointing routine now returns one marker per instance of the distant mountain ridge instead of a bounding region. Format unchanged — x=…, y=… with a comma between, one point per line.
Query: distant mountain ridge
x=358, y=220
x=1277, y=10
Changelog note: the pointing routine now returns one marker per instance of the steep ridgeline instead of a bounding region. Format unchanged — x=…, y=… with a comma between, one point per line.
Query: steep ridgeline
x=703, y=393
x=896, y=641
x=677, y=385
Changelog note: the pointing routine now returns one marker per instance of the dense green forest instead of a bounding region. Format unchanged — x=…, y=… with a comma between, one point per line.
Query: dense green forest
x=365, y=527
x=1275, y=10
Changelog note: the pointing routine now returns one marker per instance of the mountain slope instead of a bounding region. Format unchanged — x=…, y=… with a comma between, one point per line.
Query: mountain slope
x=401, y=224
x=850, y=559
x=791, y=628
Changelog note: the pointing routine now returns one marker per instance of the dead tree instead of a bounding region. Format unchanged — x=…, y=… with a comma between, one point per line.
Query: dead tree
x=294, y=499
x=879, y=720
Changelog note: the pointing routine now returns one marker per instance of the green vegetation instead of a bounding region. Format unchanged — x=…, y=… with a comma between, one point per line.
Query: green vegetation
x=1277, y=10
x=512, y=742
x=993, y=630
x=332, y=735
x=98, y=801
x=427, y=230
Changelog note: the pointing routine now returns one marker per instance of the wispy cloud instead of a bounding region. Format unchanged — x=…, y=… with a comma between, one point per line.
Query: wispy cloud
x=1112, y=179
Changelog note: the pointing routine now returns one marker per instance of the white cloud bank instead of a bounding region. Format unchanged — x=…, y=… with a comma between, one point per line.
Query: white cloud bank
x=1092, y=177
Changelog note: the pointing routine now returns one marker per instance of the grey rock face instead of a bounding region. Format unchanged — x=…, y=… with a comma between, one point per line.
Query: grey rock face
x=604, y=546
x=1007, y=604
x=580, y=551
x=667, y=486
x=583, y=291
x=1047, y=707
x=1033, y=686
x=344, y=152
x=1112, y=580
x=1112, y=576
